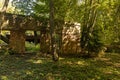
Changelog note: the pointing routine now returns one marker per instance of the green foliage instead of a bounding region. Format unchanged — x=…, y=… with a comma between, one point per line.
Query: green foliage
x=32, y=47
x=41, y=8
x=99, y=18
x=95, y=43
x=99, y=24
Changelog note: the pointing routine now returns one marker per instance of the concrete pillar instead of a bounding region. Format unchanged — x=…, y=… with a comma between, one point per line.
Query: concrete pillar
x=17, y=41
x=45, y=43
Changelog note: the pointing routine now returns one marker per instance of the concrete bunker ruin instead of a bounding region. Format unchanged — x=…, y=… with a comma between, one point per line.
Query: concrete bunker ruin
x=19, y=24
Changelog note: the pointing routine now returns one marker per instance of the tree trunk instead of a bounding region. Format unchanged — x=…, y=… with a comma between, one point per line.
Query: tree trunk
x=88, y=25
x=3, y=10
x=35, y=37
x=53, y=34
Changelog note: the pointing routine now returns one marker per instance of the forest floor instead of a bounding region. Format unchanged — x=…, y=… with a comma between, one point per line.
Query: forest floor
x=36, y=67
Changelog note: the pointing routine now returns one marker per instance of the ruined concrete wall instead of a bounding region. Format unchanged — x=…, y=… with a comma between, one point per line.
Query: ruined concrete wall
x=71, y=39
x=68, y=39
x=45, y=43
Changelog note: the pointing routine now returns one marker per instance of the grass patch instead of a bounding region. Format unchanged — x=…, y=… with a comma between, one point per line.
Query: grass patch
x=35, y=67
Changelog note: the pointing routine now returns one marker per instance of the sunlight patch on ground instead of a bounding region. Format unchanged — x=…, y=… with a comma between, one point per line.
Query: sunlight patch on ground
x=110, y=70
x=35, y=61
x=69, y=62
x=38, y=61
x=105, y=59
x=80, y=62
x=61, y=58
x=117, y=65
x=29, y=72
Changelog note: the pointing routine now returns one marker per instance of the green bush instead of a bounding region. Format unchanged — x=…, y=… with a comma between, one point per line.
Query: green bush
x=95, y=43
x=30, y=46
